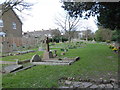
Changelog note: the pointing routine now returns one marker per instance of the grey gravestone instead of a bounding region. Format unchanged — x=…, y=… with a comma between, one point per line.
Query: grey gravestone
x=12, y=68
x=50, y=54
x=35, y=58
x=47, y=54
x=55, y=53
x=62, y=53
x=77, y=58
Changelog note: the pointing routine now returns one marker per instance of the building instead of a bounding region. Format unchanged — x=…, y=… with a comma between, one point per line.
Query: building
x=35, y=38
x=10, y=30
x=41, y=33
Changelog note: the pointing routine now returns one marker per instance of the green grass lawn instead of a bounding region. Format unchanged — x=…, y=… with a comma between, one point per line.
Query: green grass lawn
x=97, y=61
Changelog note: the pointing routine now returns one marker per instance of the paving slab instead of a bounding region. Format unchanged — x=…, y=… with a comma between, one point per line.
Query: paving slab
x=12, y=68
x=59, y=61
x=50, y=63
x=25, y=68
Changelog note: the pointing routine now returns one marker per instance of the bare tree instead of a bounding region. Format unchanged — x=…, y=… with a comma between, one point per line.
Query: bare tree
x=56, y=33
x=19, y=5
x=68, y=24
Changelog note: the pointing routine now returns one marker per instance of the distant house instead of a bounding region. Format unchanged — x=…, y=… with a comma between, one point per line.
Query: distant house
x=10, y=30
x=33, y=38
x=11, y=24
x=40, y=33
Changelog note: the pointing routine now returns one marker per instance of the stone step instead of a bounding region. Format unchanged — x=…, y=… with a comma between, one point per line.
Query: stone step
x=25, y=68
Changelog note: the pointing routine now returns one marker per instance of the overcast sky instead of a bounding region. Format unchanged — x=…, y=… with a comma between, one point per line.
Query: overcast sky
x=43, y=14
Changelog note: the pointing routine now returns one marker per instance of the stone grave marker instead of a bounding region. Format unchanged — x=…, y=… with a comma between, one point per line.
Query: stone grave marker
x=63, y=53
x=35, y=58
x=55, y=53
x=47, y=54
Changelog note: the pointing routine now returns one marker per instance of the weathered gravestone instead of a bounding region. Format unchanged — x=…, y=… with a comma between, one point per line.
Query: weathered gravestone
x=63, y=53
x=55, y=53
x=47, y=54
x=36, y=58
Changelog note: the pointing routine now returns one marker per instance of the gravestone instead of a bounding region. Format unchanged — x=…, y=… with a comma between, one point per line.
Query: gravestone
x=50, y=54
x=36, y=58
x=47, y=54
x=63, y=53
x=55, y=53
x=77, y=58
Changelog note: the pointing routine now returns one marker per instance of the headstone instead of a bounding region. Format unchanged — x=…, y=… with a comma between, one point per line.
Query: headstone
x=65, y=50
x=77, y=58
x=55, y=53
x=47, y=44
x=47, y=54
x=35, y=58
x=62, y=53
x=50, y=54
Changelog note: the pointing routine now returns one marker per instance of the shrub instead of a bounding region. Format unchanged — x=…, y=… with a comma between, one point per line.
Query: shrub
x=108, y=41
x=111, y=47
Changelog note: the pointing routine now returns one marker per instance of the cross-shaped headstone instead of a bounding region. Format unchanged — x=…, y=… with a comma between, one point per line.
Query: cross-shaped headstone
x=47, y=44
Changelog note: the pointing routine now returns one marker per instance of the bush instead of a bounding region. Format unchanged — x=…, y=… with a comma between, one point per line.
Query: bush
x=64, y=39
x=108, y=41
x=111, y=47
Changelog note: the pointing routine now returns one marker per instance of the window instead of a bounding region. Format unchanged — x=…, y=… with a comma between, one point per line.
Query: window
x=14, y=25
x=1, y=23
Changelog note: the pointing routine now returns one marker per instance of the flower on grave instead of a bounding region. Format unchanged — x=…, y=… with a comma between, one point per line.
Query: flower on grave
x=114, y=49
